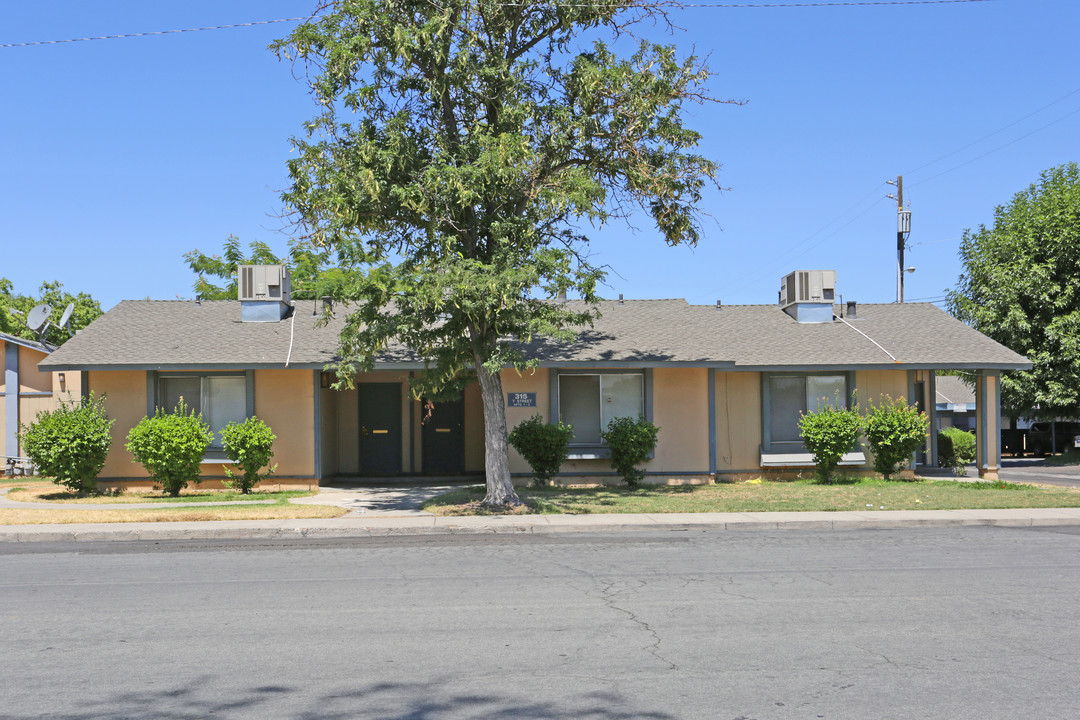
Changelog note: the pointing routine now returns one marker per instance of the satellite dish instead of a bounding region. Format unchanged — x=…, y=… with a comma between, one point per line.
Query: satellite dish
x=66, y=317
x=38, y=316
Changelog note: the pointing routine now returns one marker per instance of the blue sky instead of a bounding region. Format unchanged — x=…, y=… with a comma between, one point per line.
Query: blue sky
x=122, y=155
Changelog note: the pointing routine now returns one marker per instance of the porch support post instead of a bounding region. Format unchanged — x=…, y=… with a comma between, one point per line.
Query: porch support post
x=317, y=440
x=712, y=422
x=935, y=421
x=11, y=399
x=988, y=423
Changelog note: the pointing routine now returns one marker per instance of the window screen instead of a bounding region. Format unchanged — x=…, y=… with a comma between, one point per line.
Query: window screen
x=220, y=399
x=590, y=402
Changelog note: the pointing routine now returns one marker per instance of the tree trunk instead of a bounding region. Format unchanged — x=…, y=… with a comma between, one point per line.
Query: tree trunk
x=500, y=491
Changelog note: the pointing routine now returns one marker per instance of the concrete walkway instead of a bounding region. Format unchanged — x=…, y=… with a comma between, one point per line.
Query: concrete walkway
x=358, y=525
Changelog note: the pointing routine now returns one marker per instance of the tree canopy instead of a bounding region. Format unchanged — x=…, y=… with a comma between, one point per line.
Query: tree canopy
x=1021, y=286
x=458, y=151
x=87, y=309
x=304, y=263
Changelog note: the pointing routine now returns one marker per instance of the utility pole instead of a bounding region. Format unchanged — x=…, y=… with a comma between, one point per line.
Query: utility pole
x=903, y=230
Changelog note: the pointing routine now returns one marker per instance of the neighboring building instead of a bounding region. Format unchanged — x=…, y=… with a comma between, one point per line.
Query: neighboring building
x=955, y=403
x=26, y=390
x=725, y=385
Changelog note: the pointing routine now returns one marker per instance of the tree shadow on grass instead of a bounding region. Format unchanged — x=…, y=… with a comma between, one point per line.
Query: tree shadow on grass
x=433, y=700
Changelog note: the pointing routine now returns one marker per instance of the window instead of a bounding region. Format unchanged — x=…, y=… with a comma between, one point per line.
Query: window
x=220, y=398
x=789, y=395
x=590, y=401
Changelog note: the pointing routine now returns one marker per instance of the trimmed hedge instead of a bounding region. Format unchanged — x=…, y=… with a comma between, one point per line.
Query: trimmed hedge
x=70, y=444
x=543, y=445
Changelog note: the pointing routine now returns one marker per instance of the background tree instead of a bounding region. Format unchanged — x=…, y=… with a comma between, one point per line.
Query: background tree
x=458, y=148
x=304, y=263
x=87, y=309
x=1021, y=286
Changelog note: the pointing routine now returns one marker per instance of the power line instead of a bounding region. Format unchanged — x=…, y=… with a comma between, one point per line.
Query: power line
x=999, y=147
x=676, y=4
x=788, y=258
x=152, y=32
x=999, y=130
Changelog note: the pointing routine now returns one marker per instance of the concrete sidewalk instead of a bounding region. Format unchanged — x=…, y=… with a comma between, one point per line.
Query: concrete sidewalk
x=360, y=526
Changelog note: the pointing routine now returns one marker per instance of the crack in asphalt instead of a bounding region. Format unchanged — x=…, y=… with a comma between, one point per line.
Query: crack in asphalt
x=607, y=595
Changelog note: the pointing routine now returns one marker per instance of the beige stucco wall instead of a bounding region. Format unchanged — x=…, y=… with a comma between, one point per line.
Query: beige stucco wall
x=873, y=385
x=681, y=411
x=738, y=421
x=30, y=378
x=285, y=400
x=535, y=381
x=680, y=402
x=125, y=402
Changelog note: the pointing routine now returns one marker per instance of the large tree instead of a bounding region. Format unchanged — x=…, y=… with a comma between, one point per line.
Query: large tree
x=458, y=150
x=1021, y=286
x=14, y=308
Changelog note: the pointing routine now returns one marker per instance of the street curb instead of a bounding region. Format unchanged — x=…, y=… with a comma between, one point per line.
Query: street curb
x=551, y=524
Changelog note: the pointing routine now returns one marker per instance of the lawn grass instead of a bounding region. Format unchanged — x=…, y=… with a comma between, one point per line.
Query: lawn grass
x=49, y=492
x=763, y=496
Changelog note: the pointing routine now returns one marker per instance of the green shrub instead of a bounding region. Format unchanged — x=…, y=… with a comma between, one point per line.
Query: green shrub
x=828, y=434
x=631, y=441
x=70, y=443
x=895, y=430
x=543, y=445
x=956, y=448
x=250, y=445
x=170, y=446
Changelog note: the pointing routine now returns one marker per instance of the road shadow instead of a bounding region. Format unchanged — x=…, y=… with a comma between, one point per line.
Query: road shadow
x=432, y=700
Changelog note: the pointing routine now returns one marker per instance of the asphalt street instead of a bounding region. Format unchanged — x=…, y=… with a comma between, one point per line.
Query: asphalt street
x=1032, y=470
x=972, y=622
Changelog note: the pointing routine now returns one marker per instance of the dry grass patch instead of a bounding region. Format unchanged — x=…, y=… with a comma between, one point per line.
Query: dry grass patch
x=48, y=492
x=281, y=511
x=764, y=496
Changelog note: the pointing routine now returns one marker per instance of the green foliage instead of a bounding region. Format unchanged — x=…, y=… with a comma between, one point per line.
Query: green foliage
x=250, y=445
x=830, y=433
x=170, y=446
x=631, y=441
x=1021, y=286
x=543, y=445
x=956, y=448
x=305, y=262
x=895, y=430
x=70, y=443
x=459, y=150
x=14, y=308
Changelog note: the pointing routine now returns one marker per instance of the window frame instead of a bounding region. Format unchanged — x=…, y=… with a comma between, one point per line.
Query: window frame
x=767, y=444
x=588, y=451
x=153, y=392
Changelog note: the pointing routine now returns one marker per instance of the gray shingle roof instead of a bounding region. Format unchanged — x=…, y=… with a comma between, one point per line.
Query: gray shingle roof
x=32, y=344
x=952, y=390
x=174, y=334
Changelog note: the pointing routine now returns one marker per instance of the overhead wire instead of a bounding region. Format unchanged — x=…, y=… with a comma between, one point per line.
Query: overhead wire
x=151, y=32
x=786, y=256
x=678, y=5
x=990, y=135
x=999, y=147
